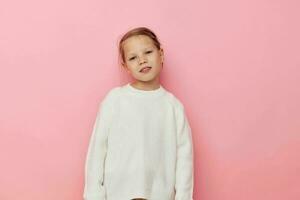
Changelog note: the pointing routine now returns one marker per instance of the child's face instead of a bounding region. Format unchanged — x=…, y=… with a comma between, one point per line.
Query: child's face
x=139, y=52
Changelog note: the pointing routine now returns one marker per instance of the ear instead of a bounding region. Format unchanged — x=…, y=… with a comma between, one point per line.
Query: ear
x=161, y=51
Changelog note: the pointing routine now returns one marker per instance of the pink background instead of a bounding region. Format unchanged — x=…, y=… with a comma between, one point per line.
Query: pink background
x=233, y=64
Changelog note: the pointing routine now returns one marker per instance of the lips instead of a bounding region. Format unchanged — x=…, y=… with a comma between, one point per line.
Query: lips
x=144, y=68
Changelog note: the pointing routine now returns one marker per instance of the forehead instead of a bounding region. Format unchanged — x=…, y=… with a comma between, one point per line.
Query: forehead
x=136, y=43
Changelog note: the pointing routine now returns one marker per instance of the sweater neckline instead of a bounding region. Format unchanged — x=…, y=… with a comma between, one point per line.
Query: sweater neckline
x=141, y=92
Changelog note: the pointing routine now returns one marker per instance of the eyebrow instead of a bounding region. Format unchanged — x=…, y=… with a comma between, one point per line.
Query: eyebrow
x=131, y=53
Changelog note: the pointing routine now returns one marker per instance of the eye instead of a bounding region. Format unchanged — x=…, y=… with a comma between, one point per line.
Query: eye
x=148, y=52
x=132, y=58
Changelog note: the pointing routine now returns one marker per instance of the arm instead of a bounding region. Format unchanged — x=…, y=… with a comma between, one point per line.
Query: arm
x=94, y=167
x=184, y=167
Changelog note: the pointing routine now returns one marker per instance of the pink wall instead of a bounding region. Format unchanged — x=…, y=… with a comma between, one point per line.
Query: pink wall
x=234, y=65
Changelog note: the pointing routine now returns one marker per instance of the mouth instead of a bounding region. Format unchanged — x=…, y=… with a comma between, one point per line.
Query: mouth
x=145, y=69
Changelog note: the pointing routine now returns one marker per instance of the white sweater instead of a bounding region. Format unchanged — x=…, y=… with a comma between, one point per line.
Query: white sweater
x=140, y=147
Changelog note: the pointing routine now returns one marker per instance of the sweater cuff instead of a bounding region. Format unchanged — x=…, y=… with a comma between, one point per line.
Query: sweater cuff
x=184, y=195
x=92, y=197
x=95, y=195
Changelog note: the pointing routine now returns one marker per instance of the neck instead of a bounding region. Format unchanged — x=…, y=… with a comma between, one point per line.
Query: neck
x=146, y=85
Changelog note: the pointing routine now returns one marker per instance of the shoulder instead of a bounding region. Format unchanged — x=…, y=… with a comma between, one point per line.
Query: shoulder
x=111, y=96
x=174, y=100
x=176, y=103
x=113, y=92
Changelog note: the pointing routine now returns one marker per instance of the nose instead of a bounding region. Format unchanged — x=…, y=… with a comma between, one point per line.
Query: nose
x=142, y=60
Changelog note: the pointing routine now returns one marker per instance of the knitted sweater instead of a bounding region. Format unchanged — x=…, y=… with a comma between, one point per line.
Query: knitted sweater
x=140, y=147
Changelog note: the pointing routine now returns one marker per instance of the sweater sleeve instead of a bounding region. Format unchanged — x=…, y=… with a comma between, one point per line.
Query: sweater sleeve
x=184, y=166
x=94, y=188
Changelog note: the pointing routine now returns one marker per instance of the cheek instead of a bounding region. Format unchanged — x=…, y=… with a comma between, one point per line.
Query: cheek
x=158, y=60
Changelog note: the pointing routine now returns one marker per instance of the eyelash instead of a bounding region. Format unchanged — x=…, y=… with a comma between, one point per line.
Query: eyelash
x=134, y=56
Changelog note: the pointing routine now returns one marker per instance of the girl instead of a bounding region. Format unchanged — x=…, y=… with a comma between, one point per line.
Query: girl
x=141, y=144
